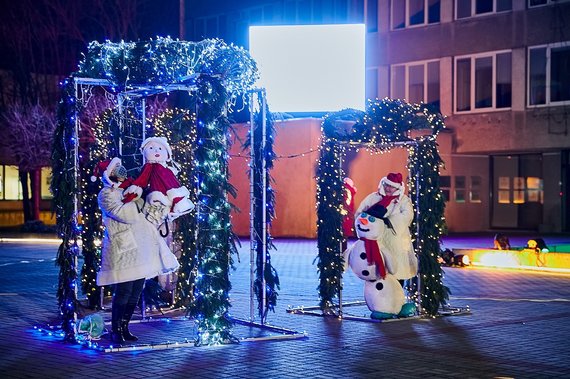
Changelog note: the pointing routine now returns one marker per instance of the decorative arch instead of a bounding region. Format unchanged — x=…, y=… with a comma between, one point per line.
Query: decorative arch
x=386, y=124
x=213, y=74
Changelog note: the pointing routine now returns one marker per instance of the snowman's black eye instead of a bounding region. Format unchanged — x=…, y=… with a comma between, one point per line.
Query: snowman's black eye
x=379, y=286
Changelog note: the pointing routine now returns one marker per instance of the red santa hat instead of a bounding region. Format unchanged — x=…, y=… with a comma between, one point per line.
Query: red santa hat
x=392, y=179
x=105, y=168
x=160, y=140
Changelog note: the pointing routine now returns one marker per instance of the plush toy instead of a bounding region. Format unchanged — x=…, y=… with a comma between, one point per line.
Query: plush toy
x=385, y=299
x=158, y=177
x=372, y=262
x=364, y=256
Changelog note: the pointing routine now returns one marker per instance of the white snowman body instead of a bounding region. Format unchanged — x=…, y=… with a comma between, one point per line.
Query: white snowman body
x=355, y=257
x=381, y=294
x=384, y=295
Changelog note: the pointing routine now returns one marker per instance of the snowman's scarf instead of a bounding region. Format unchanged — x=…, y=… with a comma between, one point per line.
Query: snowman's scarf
x=374, y=257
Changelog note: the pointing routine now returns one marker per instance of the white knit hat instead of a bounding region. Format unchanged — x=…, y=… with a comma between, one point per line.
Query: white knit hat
x=160, y=140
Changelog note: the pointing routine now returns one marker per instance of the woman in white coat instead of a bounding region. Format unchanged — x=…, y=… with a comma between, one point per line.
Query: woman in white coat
x=132, y=250
x=399, y=211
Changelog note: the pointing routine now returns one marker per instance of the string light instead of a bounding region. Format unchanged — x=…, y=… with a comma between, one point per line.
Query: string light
x=386, y=124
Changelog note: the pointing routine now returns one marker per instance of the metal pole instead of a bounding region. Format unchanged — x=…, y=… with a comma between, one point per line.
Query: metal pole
x=251, y=208
x=76, y=194
x=419, y=243
x=143, y=106
x=264, y=199
x=121, y=125
x=340, y=243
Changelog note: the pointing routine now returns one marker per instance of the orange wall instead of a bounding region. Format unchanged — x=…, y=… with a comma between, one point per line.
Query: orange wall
x=295, y=183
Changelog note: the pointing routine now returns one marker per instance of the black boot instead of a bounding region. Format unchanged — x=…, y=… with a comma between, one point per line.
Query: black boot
x=116, y=324
x=127, y=335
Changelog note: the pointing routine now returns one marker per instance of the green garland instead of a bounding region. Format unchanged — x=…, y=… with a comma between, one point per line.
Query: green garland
x=263, y=262
x=384, y=122
x=216, y=242
x=220, y=72
x=64, y=188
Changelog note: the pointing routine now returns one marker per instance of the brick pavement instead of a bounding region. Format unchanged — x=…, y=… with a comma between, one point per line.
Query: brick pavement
x=519, y=328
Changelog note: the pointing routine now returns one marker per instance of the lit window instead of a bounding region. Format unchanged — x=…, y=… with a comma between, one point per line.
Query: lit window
x=504, y=194
x=549, y=77
x=518, y=190
x=470, y=8
x=12, y=185
x=534, y=190
x=416, y=82
x=483, y=82
x=46, y=180
x=408, y=13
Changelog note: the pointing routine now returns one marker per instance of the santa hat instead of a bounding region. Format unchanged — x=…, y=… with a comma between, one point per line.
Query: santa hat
x=160, y=140
x=392, y=179
x=105, y=168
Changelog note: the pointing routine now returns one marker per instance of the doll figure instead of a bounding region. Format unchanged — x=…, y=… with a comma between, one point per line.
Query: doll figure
x=158, y=177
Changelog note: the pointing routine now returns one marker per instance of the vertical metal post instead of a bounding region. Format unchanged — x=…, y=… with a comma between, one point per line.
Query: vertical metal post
x=76, y=178
x=340, y=242
x=252, y=246
x=121, y=123
x=143, y=106
x=264, y=199
x=419, y=242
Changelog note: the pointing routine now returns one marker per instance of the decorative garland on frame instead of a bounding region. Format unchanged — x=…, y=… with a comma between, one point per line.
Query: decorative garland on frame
x=263, y=263
x=220, y=72
x=384, y=122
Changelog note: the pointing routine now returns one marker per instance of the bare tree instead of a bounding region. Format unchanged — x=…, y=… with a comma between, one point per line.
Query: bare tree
x=28, y=139
x=41, y=41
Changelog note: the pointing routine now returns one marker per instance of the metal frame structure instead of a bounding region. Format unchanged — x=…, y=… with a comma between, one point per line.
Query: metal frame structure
x=140, y=93
x=314, y=310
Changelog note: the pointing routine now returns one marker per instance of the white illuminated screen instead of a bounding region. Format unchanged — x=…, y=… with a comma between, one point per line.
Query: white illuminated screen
x=310, y=68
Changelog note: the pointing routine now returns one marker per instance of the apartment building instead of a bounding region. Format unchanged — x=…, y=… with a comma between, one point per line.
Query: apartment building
x=499, y=70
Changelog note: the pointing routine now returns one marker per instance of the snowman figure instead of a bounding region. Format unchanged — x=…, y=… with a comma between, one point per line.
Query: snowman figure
x=370, y=261
x=364, y=257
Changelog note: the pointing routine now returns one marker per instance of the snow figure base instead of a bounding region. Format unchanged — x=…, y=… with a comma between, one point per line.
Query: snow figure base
x=408, y=310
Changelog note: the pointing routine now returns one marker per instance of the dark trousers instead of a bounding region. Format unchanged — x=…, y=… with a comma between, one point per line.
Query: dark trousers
x=128, y=293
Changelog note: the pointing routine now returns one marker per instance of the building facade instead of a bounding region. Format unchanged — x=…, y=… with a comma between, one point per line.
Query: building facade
x=499, y=70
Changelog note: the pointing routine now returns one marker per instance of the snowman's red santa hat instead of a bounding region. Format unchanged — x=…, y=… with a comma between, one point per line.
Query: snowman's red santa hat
x=159, y=140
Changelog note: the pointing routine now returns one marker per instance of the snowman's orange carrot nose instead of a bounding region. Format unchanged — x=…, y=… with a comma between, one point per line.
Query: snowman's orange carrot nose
x=364, y=221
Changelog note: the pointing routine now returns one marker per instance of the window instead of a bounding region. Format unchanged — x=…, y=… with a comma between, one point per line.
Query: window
x=504, y=190
x=549, y=74
x=475, y=190
x=525, y=190
x=10, y=180
x=45, y=183
x=372, y=16
x=470, y=8
x=538, y=3
x=483, y=82
x=408, y=13
x=445, y=186
x=416, y=82
x=460, y=189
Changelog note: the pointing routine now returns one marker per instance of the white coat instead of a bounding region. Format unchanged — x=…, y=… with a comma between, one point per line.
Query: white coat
x=132, y=248
x=400, y=212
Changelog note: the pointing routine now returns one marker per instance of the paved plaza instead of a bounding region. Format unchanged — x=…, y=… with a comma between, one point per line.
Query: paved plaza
x=519, y=327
